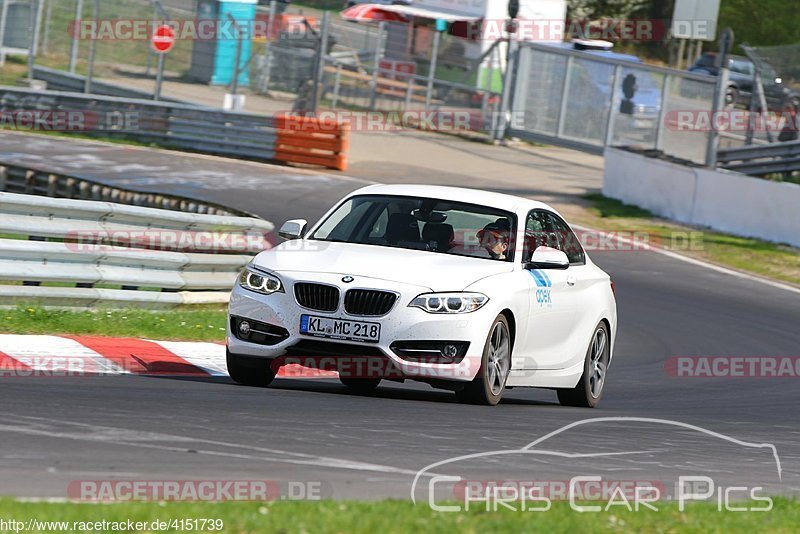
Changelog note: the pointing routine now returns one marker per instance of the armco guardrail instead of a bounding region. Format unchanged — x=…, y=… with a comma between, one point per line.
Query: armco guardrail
x=172, y=125
x=760, y=160
x=59, y=80
x=64, y=252
x=31, y=181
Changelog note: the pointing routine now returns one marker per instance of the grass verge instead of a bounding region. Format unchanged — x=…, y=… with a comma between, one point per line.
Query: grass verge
x=201, y=323
x=771, y=260
x=403, y=516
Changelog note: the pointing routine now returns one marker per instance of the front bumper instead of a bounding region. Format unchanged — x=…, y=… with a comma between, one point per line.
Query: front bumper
x=402, y=323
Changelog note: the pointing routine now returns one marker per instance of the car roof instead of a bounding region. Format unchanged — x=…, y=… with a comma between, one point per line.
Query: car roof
x=458, y=194
x=730, y=56
x=596, y=52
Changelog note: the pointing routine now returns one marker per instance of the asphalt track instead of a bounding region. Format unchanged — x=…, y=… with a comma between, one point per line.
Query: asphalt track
x=57, y=430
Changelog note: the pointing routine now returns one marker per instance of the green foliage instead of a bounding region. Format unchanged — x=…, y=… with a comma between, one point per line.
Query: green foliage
x=761, y=23
x=200, y=323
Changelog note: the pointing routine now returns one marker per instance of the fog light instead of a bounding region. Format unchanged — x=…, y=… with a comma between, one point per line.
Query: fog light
x=244, y=328
x=450, y=351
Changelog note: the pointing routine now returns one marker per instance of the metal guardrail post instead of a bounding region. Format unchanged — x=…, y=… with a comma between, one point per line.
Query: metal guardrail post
x=564, y=97
x=725, y=46
x=238, y=58
x=159, y=77
x=500, y=123
x=268, y=55
x=87, y=88
x=612, y=108
x=47, y=19
x=319, y=63
x=662, y=113
x=437, y=36
x=37, y=24
x=376, y=66
x=34, y=34
x=337, y=81
x=73, y=50
x=3, y=17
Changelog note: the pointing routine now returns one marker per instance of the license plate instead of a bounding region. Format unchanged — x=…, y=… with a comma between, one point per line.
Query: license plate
x=312, y=325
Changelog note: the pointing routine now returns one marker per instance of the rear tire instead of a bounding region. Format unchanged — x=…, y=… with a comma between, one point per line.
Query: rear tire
x=487, y=388
x=360, y=385
x=250, y=371
x=589, y=390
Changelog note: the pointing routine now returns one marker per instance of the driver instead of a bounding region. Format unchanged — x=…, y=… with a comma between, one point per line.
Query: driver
x=494, y=238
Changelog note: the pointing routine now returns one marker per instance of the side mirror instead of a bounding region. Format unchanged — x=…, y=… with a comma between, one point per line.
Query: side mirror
x=293, y=229
x=547, y=258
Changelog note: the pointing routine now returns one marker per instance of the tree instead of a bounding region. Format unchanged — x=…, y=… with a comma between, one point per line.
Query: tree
x=761, y=23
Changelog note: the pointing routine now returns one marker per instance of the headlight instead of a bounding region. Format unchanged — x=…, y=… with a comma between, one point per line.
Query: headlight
x=263, y=283
x=450, y=302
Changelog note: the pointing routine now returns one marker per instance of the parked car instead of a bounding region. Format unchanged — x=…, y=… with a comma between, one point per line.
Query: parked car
x=742, y=80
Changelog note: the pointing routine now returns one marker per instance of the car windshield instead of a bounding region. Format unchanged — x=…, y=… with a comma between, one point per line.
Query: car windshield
x=417, y=223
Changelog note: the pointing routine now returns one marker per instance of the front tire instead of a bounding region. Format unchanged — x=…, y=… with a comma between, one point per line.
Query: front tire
x=589, y=390
x=249, y=371
x=487, y=388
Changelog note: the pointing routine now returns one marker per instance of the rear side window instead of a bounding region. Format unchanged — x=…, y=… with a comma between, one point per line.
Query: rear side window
x=706, y=61
x=742, y=67
x=543, y=228
x=567, y=240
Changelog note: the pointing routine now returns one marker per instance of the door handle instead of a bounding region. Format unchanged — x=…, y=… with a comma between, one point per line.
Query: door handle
x=571, y=280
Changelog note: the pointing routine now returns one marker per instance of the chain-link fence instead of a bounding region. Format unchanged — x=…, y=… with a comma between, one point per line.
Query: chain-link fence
x=386, y=67
x=367, y=66
x=121, y=32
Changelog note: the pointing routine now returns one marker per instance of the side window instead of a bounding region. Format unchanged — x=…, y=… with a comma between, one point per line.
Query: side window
x=742, y=67
x=567, y=240
x=538, y=232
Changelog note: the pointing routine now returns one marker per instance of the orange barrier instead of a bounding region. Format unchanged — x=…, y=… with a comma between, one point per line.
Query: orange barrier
x=302, y=139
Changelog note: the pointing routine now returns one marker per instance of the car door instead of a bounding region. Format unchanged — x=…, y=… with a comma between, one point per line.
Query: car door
x=583, y=281
x=553, y=300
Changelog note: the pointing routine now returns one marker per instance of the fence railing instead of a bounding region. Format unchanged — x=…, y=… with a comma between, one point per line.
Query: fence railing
x=63, y=252
x=59, y=80
x=760, y=160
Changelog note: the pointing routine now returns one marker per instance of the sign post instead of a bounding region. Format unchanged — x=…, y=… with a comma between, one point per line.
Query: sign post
x=162, y=41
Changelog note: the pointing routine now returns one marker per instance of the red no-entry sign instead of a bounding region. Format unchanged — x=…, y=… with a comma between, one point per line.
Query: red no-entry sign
x=163, y=39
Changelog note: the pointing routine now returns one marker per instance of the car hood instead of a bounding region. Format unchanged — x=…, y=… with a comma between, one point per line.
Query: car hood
x=436, y=271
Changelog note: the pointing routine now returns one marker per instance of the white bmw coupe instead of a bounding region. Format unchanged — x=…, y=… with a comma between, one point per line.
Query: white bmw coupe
x=463, y=289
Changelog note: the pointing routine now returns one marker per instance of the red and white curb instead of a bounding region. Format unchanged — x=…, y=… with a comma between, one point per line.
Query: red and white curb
x=42, y=355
